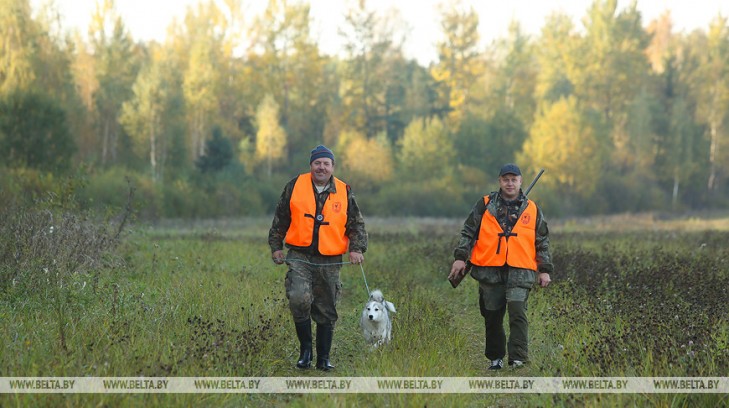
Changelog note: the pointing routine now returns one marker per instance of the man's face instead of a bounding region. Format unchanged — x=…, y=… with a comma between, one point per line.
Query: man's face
x=321, y=170
x=510, y=185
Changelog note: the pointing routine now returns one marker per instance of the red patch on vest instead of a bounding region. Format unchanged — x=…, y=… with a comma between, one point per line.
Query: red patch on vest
x=525, y=219
x=337, y=207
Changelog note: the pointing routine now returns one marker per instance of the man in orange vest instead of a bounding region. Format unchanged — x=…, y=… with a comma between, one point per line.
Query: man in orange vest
x=505, y=239
x=318, y=219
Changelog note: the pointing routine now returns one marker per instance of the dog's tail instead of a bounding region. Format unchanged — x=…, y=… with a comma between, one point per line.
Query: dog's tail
x=376, y=295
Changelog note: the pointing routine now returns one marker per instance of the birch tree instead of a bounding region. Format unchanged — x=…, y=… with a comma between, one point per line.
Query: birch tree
x=712, y=96
x=142, y=117
x=115, y=73
x=271, y=137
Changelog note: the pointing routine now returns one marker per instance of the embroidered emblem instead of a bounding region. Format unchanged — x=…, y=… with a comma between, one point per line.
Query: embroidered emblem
x=337, y=206
x=526, y=218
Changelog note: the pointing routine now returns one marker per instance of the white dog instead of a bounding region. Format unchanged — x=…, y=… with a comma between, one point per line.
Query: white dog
x=375, y=321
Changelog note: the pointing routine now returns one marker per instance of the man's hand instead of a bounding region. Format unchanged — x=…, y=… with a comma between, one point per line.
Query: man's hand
x=278, y=257
x=356, y=257
x=457, y=269
x=543, y=279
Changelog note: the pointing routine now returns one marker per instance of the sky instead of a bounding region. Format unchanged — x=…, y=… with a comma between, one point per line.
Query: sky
x=149, y=19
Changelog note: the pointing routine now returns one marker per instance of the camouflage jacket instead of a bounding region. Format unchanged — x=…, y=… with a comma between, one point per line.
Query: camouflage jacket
x=506, y=213
x=355, y=227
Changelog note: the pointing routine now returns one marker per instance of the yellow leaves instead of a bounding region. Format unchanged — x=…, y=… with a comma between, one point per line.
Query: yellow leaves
x=440, y=74
x=271, y=137
x=562, y=142
x=459, y=64
x=427, y=150
x=366, y=162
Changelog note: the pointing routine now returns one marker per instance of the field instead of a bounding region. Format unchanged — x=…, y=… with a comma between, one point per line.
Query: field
x=638, y=297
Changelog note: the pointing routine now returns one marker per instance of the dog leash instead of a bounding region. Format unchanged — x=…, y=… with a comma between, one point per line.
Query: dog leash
x=336, y=263
x=365, y=279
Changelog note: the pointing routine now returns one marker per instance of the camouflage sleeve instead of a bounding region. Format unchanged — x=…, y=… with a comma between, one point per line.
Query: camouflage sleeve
x=355, y=228
x=544, y=258
x=281, y=219
x=469, y=232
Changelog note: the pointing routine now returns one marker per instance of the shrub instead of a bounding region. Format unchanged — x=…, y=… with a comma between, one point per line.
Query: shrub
x=435, y=198
x=50, y=253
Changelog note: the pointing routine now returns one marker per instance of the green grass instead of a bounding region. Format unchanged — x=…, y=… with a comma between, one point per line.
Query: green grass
x=207, y=301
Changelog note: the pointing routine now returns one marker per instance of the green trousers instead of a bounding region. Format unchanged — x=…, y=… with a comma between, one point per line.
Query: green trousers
x=505, y=290
x=313, y=287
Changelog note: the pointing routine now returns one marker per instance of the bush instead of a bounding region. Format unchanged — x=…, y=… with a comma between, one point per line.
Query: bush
x=109, y=191
x=633, y=193
x=433, y=198
x=106, y=189
x=50, y=252
x=26, y=187
x=34, y=132
x=177, y=202
x=235, y=199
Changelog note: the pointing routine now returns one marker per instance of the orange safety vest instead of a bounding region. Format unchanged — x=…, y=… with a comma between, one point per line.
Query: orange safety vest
x=332, y=223
x=493, y=248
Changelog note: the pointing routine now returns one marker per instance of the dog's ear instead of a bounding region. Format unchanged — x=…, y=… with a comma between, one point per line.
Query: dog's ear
x=390, y=307
x=376, y=296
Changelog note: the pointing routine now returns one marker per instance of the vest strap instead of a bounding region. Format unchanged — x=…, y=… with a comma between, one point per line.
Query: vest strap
x=507, y=235
x=318, y=220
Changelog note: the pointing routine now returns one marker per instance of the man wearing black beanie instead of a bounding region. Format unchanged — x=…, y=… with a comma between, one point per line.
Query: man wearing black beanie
x=318, y=220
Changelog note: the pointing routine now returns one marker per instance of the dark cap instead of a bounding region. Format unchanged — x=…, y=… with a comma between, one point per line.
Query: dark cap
x=319, y=152
x=510, y=168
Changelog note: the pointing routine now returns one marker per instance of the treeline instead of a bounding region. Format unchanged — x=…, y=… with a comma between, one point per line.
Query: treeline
x=624, y=115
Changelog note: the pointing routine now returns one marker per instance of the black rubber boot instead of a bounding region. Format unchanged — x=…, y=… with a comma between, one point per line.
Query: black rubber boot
x=324, y=335
x=303, y=331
